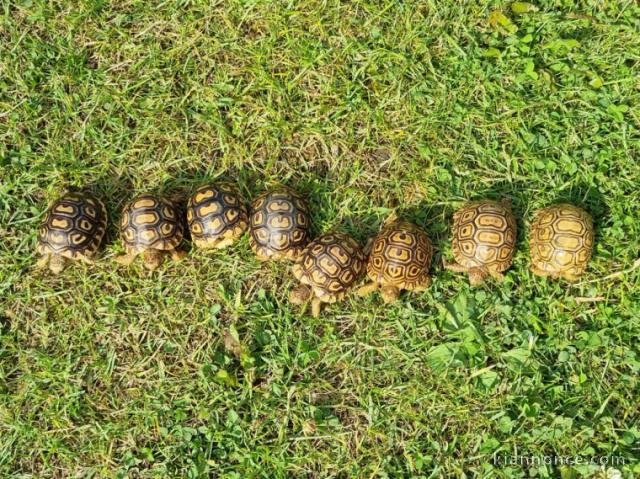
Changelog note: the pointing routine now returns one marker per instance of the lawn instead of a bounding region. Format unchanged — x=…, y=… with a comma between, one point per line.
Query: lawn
x=203, y=369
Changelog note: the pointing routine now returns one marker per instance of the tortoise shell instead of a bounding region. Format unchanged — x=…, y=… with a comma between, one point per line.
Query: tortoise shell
x=279, y=225
x=150, y=222
x=400, y=256
x=484, y=235
x=73, y=226
x=330, y=265
x=216, y=216
x=561, y=241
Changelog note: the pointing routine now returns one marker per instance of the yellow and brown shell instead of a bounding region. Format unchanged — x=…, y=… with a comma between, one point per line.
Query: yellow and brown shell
x=400, y=256
x=561, y=241
x=216, y=213
x=484, y=235
x=330, y=265
x=150, y=222
x=279, y=225
x=73, y=226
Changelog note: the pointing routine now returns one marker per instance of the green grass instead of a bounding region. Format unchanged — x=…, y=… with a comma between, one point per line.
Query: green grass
x=365, y=107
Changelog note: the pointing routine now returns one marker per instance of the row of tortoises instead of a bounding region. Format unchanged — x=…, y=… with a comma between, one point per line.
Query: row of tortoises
x=398, y=258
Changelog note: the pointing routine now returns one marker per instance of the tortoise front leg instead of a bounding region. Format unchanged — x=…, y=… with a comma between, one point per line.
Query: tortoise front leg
x=177, y=255
x=498, y=276
x=125, y=259
x=43, y=262
x=224, y=243
x=538, y=271
x=87, y=260
x=316, y=305
x=570, y=276
x=455, y=267
x=423, y=285
x=367, y=289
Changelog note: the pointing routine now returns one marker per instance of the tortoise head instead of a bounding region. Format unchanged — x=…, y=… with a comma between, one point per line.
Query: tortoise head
x=507, y=203
x=477, y=276
x=153, y=259
x=300, y=294
x=389, y=293
x=57, y=263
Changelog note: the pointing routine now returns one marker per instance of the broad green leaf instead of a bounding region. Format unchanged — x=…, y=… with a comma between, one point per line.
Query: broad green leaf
x=523, y=7
x=445, y=356
x=516, y=357
x=499, y=21
x=492, y=53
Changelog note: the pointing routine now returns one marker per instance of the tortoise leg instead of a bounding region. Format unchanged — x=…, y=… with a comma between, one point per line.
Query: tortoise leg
x=455, y=267
x=125, y=259
x=87, y=260
x=423, y=284
x=389, y=293
x=538, y=271
x=571, y=277
x=477, y=276
x=316, y=305
x=367, y=289
x=261, y=257
x=224, y=243
x=498, y=276
x=393, y=216
x=177, y=255
x=44, y=261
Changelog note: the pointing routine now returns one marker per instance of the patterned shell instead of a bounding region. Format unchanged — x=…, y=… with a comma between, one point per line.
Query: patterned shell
x=73, y=226
x=484, y=235
x=150, y=222
x=400, y=256
x=215, y=213
x=561, y=241
x=279, y=225
x=331, y=264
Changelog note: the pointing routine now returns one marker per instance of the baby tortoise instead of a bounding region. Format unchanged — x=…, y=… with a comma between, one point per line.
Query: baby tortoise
x=484, y=240
x=399, y=259
x=327, y=268
x=72, y=229
x=561, y=241
x=150, y=225
x=217, y=216
x=279, y=225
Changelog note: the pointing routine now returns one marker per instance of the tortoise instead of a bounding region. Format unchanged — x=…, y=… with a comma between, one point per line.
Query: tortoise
x=399, y=259
x=72, y=229
x=327, y=268
x=217, y=216
x=484, y=239
x=150, y=225
x=279, y=225
x=561, y=241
